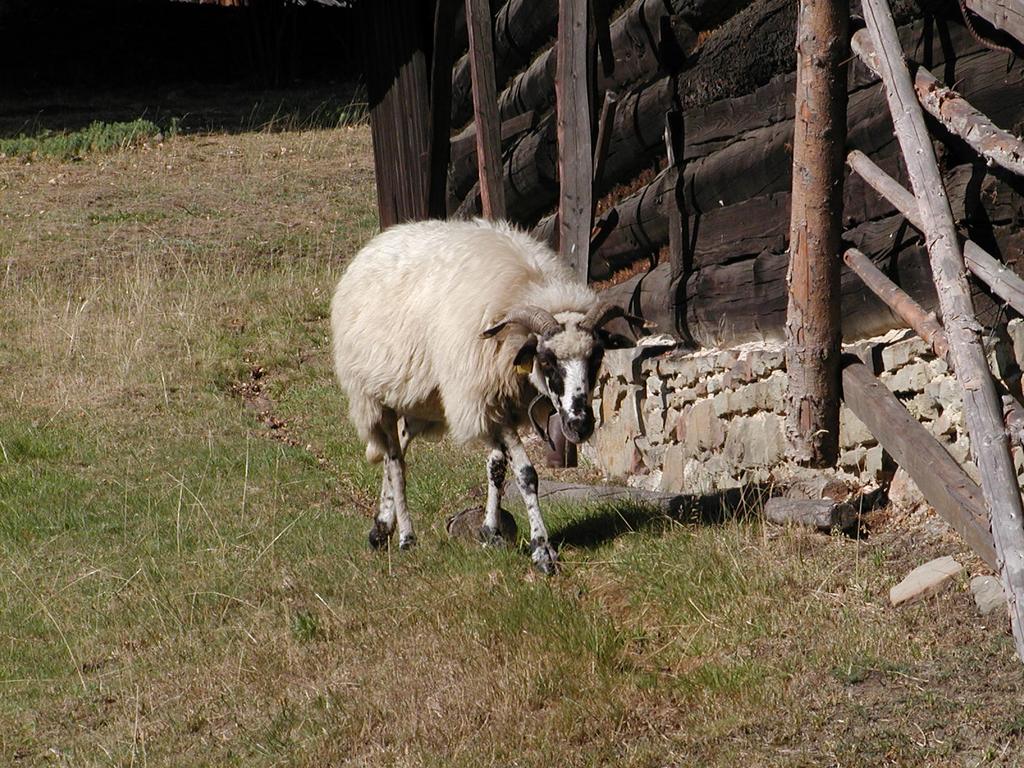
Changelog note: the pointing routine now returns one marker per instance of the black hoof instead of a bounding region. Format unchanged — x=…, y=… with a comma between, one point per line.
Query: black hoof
x=379, y=534
x=491, y=537
x=407, y=542
x=544, y=557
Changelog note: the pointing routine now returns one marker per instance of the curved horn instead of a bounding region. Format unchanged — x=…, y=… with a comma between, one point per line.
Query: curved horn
x=605, y=312
x=534, y=319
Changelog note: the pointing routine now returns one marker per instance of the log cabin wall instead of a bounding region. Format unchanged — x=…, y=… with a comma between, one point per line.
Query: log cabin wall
x=728, y=65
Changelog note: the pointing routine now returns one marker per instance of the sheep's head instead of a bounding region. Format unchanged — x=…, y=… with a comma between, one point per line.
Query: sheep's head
x=563, y=353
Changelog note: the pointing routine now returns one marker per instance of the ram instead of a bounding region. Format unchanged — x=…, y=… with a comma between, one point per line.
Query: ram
x=465, y=328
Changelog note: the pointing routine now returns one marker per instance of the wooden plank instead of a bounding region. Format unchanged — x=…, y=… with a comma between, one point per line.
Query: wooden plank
x=575, y=156
x=1005, y=15
x=1003, y=282
x=981, y=406
x=439, y=119
x=955, y=113
x=947, y=488
x=398, y=92
x=812, y=317
x=485, y=109
x=604, y=136
x=464, y=145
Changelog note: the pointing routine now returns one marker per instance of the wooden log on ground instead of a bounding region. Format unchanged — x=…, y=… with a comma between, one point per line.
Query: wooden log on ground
x=488, y=142
x=947, y=488
x=821, y=514
x=955, y=113
x=981, y=406
x=812, y=317
x=1003, y=282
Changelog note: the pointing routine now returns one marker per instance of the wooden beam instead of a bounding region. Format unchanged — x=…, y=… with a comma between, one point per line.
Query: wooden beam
x=680, y=258
x=604, y=137
x=1003, y=282
x=575, y=156
x=981, y=406
x=1005, y=15
x=464, y=145
x=485, y=109
x=954, y=112
x=812, y=323
x=909, y=311
x=945, y=485
x=439, y=119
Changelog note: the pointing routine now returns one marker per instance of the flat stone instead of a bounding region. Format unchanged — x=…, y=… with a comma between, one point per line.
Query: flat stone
x=852, y=431
x=703, y=429
x=902, y=352
x=622, y=363
x=925, y=580
x=988, y=594
x=904, y=495
x=465, y=525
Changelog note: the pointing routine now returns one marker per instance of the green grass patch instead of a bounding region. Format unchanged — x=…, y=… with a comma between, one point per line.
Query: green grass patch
x=97, y=137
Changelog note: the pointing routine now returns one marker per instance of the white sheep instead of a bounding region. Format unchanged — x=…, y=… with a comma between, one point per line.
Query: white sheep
x=463, y=327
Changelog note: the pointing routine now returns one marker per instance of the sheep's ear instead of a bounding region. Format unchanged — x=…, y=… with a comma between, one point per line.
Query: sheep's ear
x=525, y=355
x=611, y=340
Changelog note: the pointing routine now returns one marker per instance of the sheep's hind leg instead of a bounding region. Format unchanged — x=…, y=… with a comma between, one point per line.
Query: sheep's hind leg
x=384, y=522
x=541, y=552
x=490, y=531
x=394, y=467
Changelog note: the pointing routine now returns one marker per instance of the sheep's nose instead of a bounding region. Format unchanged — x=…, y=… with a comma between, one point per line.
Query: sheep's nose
x=579, y=425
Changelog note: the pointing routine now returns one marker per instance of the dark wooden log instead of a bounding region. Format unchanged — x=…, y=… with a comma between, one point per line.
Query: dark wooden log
x=1002, y=281
x=575, y=154
x=463, y=146
x=955, y=113
x=821, y=514
x=398, y=92
x=439, y=122
x=488, y=141
x=649, y=39
x=756, y=124
x=947, y=488
x=812, y=317
x=981, y=407
x=520, y=28
x=1004, y=15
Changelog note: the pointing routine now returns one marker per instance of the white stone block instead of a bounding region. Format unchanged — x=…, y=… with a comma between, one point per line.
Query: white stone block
x=925, y=580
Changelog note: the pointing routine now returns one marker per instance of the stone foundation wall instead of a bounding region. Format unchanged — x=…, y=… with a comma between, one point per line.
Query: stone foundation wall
x=713, y=420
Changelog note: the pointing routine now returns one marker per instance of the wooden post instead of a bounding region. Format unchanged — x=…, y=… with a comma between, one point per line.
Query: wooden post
x=575, y=157
x=485, y=109
x=812, y=322
x=680, y=258
x=439, y=120
x=955, y=113
x=398, y=91
x=1003, y=282
x=942, y=481
x=981, y=406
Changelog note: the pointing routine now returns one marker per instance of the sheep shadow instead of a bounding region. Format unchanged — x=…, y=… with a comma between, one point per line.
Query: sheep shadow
x=607, y=521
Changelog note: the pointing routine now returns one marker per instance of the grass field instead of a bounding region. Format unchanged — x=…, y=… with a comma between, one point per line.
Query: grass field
x=183, y=509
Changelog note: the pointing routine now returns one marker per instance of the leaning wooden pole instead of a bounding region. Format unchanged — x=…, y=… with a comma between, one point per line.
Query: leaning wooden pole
x=812, y=321
x=929, y=329
x=1001, y=280
x=981, y=406
x=485, y=109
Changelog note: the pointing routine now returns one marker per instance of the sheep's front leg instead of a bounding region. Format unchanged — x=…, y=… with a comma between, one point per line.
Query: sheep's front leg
x=543, y=554
x=497, y=462
x=384, y=522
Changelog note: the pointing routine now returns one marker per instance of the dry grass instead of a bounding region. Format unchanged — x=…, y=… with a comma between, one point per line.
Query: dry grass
x=182, y=518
